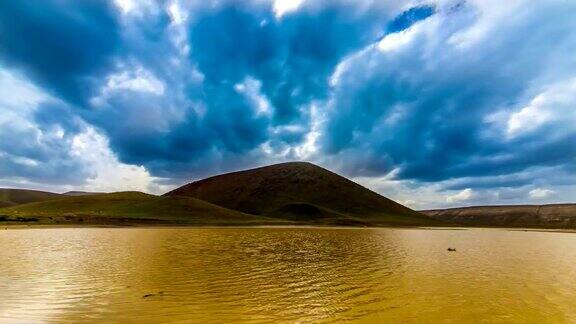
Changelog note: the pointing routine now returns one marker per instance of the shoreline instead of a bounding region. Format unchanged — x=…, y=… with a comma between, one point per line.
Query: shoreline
x=271, y=226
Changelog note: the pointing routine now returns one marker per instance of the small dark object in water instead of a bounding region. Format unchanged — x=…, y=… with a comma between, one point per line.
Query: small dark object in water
x=451, y=249
x=150, y=295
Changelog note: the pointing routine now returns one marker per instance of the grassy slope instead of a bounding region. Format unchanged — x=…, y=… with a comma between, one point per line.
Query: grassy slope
x=128, y=206
x=13, y=197
x=268, y=190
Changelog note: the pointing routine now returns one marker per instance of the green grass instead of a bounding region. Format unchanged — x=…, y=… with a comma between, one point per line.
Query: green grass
x=130, y=206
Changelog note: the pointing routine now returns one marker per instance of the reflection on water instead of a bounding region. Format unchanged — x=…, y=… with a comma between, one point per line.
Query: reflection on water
x=273, y=274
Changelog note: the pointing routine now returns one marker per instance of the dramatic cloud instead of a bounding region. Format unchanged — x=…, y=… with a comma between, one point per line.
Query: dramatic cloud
x=64, y=46
x=455, y=101
x=36, y=133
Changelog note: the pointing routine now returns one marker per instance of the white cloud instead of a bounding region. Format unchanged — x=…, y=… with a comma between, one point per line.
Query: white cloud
x=398, y=40
x=528, y=118
x=24, y=161
x=345, y=65
x=125, y=5
x=491, y=15
x=305, y=150
x=177, y=13
x=19, y=100
x=540, y=193
x=179, y=31
x=463, y=195
x=18, y=97
x=138, y=80
x=309, y=147
x=556, y=103
x=137, y=7
x=281, y=7
x=108, y=174
x=250, y=88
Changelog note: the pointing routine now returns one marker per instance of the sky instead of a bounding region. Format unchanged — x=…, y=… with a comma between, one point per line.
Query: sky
x=435, y=103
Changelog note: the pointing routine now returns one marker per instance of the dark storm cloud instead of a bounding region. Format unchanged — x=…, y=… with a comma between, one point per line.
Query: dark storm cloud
x=425, y=89
x=290, y=58
x=64, y=46
x=423, y=105
x=202, y=117
x=293, y=57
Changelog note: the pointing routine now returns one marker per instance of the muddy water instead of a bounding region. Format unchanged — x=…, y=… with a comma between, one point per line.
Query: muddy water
x=285, y=274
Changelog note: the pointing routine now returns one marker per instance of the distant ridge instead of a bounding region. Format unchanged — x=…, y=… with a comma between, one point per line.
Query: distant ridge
x=82, y=193
x=297, y=189
x=12, y=197
x=529, y=216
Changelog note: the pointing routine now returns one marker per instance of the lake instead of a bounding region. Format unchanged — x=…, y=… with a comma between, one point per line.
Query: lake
x=285, y=274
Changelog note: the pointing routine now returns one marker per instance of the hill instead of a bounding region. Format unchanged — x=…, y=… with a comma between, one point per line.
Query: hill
x=528, y=216
x=301, y=191
x=13, y=197
x=127, y=208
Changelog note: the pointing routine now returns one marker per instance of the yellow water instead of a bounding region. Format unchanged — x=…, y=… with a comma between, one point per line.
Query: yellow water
x=286, y=275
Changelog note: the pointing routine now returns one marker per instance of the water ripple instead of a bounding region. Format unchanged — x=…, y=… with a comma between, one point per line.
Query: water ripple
x=289, y=275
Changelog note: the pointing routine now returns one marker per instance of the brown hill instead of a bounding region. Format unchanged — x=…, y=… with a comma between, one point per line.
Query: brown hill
x=529, y=216
x=299, y=190
x=13, y=197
